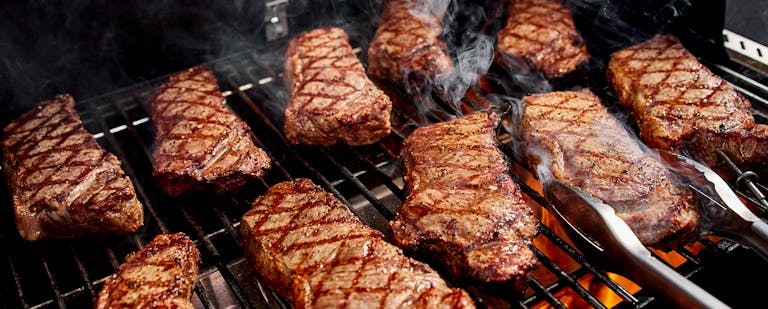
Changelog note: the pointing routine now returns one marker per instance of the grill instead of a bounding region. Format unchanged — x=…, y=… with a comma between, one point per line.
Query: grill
x=367, y=178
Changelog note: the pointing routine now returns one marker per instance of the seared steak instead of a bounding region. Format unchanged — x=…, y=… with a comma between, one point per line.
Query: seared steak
x=677, y=102
x=572, y=136
x=542, y=33
x=63, y=184
x=200, y=143
x=407, y=48
x=332, y=100
x=161, y=275
x=463, y=212
x=310, y=248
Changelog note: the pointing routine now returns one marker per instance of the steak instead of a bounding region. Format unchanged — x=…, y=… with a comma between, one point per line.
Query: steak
x=571, y=135
x=63, y=183
x=407, y=48
x=332, y=100
x=161, y=275
x=200, y=144
x=678, y=103
x=542, y=33
x=309, y=247
x=463, y=212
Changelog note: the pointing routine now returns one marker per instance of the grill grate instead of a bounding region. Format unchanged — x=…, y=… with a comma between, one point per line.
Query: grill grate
x=368, y=179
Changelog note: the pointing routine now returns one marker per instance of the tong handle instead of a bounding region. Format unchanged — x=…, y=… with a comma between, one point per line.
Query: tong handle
x=756, y=238
x=658, y=277
x=595, y=226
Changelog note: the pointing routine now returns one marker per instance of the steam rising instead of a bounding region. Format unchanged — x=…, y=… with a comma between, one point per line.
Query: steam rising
x=474, y=52
x=472, y=61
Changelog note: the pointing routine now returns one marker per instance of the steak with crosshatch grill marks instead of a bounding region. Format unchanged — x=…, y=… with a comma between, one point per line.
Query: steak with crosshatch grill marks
x=332, y=100
x=407, y=47
x=63, y=183
x=161, y=275
x=200, y=143
x=678, y=102
x=572, y=135
x=308, y=246
x=542, y=33
x=463, y=211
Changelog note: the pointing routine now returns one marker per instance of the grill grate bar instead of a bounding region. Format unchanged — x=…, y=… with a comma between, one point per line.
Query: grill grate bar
x=388, y=214
x=83, y=271
x=231, y=227
x=16, y=276
x=396, y=190
x=571, y=251
x=220, y=265
x=54, y=283
x=203, y=296
x=566, y=278
x=541, y=290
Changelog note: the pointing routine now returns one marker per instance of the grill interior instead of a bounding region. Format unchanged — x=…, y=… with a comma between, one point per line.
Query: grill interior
x=368, y=179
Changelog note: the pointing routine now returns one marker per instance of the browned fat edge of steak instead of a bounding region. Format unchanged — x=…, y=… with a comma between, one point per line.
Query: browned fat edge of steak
x=572, y=135
x=62, y=182
x=309, y=247
x=332, y=100
x=161, y=275
x=542, y=33
x=407, y=48
x=463, y=211
x=678, y=103
x=200, y=144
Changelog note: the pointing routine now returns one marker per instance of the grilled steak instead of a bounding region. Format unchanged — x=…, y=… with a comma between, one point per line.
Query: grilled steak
x=63, y=184
x=200, y=143
x=332, y=100
x=571, y=135
x=463, y=212
x=161, y=275
x=542, y=33
x=316, y=253
x=677, y=102
x=407, y=48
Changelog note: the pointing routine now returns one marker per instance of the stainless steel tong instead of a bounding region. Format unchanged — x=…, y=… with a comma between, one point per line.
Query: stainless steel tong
x=723, y=212
x=601, y=235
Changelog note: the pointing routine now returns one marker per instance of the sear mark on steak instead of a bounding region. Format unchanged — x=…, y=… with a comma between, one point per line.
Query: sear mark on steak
x=309, y=247
x=407, y=48
x=542, y=33
x=463, y=211
x=63, y=183
x=332, y=100
x=679, y=103
x=200, y=143
x=161, y=275
x=573, y=136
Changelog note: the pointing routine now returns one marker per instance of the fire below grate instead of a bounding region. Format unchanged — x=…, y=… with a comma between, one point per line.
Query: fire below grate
x=367, y=178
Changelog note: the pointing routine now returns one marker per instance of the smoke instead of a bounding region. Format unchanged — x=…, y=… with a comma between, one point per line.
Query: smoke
x=472, y=61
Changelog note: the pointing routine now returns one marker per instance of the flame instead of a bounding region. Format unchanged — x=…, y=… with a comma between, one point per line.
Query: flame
x=596, y=288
